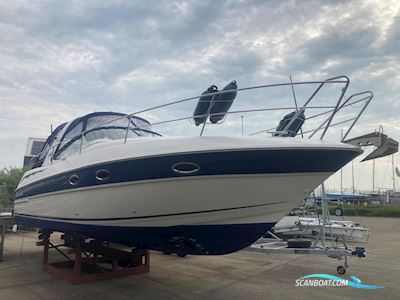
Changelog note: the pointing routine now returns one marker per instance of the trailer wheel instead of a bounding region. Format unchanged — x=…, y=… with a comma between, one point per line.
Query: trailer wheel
x=341, y=270
x=181, y=254
x=339, y=211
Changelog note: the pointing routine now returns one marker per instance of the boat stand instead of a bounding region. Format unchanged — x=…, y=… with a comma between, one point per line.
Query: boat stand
x=92, y=260
x=5, y=221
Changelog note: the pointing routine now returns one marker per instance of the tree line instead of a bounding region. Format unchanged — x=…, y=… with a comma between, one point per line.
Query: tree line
x=9, y=179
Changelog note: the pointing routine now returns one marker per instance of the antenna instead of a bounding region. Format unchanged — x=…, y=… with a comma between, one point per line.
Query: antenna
x=242, y=123
x=394, y=177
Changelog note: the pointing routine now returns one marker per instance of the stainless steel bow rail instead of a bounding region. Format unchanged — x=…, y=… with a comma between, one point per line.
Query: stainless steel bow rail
x=362, y=98
x=352, y=100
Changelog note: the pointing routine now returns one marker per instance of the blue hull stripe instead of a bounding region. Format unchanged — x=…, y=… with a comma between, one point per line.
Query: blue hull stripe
x=190, y=239
x=271, y=161
x=152, y=216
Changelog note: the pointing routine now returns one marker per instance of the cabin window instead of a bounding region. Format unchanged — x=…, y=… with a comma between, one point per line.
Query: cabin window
x=110, y=133
x=106, y=121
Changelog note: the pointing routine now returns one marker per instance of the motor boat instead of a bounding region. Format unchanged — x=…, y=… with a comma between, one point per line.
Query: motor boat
x=112, y=177
x=290, y=226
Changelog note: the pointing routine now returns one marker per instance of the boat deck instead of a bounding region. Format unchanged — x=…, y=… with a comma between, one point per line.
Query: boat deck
x=242, y=275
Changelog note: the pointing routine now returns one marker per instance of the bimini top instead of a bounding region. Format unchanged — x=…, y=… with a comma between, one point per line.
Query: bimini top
x=93, y=128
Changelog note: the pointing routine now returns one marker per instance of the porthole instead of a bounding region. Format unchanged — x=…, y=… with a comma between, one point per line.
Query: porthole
x=74, y=179
x=185, y=168
x=102, y=174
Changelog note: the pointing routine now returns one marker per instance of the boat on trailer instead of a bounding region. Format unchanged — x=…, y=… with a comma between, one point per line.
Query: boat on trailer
x=112, y=177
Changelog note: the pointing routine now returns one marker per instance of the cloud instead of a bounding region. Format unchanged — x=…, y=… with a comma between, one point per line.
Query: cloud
x=62, y=59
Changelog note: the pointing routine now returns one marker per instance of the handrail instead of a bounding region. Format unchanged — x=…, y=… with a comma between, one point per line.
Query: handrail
x=325, y=125
x=233, y=90
x=360, y=113
x=308, y=131
x=190, y=99
x=269, y=130
x=368, y=100
x=301, y=110
x=208, y=113
x=333, y=124
x=337, y=105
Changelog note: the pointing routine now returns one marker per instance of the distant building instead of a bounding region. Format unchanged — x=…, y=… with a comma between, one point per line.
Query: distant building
x=33, y=147
x=346, y=198
x=387, y=197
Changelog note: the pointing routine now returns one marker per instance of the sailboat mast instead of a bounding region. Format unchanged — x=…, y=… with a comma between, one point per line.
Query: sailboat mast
x=352, y=175
x=241, y=117
x=394, y=175
x=341, y=170
x=341, y=180
x=373, y=175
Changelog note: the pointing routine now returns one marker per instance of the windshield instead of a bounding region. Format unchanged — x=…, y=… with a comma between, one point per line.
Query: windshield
x=100, y=127
x=54, y=136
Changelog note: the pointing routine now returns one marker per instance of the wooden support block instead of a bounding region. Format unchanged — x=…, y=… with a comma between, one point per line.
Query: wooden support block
x=85, y=269
x=45, y=253
x=77, y=264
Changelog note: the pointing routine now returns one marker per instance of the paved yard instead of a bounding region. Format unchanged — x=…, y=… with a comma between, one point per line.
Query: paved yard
x=242, y=275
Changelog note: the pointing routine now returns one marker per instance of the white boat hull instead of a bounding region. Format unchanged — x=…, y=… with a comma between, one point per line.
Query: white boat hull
x=171, y=202
x=238, y=190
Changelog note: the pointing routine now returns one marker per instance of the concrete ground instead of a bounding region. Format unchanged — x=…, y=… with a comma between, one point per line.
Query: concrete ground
x=242, y=275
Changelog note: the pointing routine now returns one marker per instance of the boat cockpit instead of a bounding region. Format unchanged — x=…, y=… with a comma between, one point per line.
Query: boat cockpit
x=94, y=128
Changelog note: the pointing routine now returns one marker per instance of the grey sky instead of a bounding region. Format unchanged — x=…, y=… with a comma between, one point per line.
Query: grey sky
x=62, y=59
